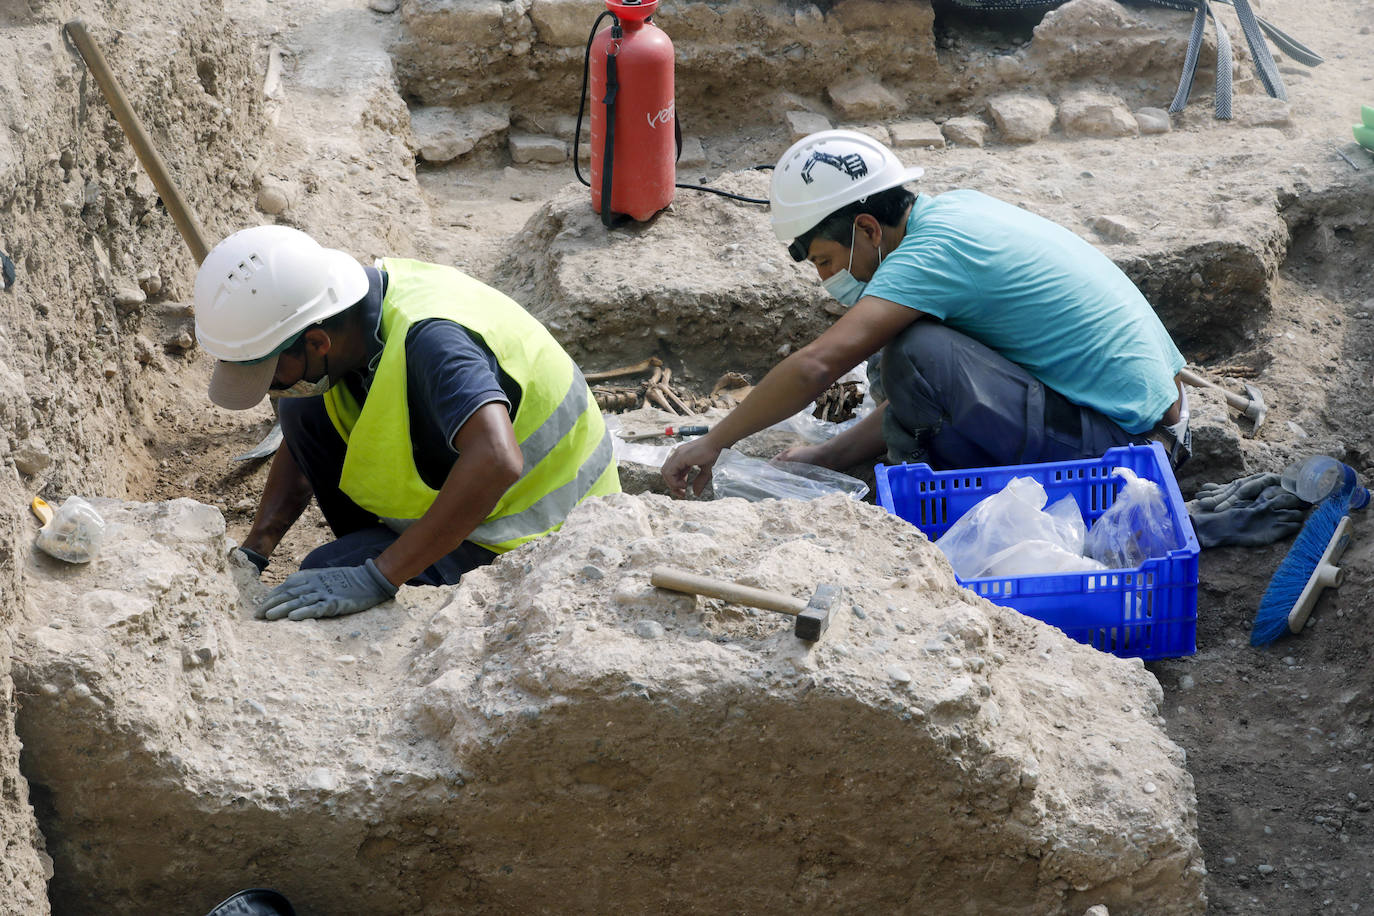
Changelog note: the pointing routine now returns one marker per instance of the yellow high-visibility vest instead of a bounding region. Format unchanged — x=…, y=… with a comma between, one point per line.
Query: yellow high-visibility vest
x=561, y=432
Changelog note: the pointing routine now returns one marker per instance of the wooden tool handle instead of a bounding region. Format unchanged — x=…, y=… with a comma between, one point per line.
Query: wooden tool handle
x=679, y=581
x=1239, y=402
x=186, y=222
x=41, y=509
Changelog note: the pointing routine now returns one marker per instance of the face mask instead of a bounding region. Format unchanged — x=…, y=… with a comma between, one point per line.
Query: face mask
x=843, y=285
x=302, y=389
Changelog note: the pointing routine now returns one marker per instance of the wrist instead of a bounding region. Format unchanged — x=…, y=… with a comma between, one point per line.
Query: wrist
x=257, y=559
x=382, y=579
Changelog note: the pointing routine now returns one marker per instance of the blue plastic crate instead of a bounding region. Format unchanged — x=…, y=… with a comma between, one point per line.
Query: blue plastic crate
x=1147, y=612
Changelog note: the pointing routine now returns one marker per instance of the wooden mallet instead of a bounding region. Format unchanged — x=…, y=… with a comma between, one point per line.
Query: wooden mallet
x=813, y=616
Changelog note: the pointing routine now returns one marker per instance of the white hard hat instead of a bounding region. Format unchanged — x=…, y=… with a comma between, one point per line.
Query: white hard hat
x=825, y=171
x=258, y=289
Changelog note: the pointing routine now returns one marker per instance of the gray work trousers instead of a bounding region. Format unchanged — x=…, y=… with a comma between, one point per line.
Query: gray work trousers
x=955, y=403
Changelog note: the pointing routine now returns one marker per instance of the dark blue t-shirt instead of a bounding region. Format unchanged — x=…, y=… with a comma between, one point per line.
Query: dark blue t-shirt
x=450, y=374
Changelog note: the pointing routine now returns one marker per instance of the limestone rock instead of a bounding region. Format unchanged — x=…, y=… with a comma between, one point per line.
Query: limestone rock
x=917, y=134
x=537, y=722
x=32, y=456
x=564, y=23
x=444, y=134
x=526, y=148
x=1263, y=111
x=804, y=123
x=1095, y=114
x=272, y=198
x=1083, y=39
x=878, y=132
x=1153, y=121
x=128, y=298
x=693, y=153
x=1022, y=118
x=150, y=281
x=1115, y=229
x=965, y=131
x=706, y=274
x=860, y=99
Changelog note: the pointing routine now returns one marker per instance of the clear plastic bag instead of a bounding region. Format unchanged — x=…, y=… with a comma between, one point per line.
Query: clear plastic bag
x=1136, y=527
x=755, y=479
x=1008, y=519
x=1036, y=558
x=75, y=532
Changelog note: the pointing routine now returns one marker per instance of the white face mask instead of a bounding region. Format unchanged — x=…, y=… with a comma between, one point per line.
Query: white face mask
x=303, y=388
x=843, y=285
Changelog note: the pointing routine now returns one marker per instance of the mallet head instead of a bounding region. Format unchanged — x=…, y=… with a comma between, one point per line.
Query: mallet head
x=812, y=622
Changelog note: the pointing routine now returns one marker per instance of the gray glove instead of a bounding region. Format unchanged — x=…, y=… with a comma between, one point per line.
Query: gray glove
x=1218, y=497
x=1248, y=512
x=330, y=592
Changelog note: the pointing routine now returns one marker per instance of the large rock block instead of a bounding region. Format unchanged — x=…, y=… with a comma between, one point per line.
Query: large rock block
x=442, y=134
x=564, y=23
x=1095, y=114
x=1090, y=38
x=555, y=732
x=706, y=277
x=1022, y=117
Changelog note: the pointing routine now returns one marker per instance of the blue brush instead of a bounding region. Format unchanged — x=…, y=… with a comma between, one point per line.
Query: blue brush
x=1308, y=568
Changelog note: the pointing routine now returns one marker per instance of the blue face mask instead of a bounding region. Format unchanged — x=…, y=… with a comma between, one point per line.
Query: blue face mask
x=843, y=285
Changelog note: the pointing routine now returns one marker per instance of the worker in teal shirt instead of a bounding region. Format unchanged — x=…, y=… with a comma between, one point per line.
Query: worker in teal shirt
x=1004, y=338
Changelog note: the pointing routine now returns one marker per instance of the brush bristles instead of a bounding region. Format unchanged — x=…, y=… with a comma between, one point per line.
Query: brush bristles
x=1285, y=588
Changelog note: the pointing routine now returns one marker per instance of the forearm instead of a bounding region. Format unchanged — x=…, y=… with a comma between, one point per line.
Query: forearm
x=284, y=497
x=489, y=462
x=789, y=387
x=861, y=443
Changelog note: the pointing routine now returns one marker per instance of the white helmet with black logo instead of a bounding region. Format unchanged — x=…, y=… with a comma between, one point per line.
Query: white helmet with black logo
x=825, y=171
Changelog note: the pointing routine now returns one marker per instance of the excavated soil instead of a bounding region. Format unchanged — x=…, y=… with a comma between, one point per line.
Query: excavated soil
x=1253, y=239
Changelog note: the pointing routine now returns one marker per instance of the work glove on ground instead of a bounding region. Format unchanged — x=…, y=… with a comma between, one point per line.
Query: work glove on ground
x=330, y=592
x=1248, y=512
x=243, y=556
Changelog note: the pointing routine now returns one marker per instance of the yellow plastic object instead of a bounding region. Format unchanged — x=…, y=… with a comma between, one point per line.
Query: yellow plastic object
x=1364, y=135
x=41, y=509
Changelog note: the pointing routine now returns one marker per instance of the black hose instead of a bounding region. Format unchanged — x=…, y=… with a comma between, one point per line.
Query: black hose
x=582, y=99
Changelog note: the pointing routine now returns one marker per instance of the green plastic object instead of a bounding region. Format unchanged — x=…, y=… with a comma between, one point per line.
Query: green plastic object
x=1367, y=115
x=1364, y=135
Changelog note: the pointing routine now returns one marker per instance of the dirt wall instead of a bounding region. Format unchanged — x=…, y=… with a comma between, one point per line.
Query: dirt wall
x=84, y=339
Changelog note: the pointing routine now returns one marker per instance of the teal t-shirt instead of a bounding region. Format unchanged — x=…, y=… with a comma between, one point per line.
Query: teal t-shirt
x=1039, y=295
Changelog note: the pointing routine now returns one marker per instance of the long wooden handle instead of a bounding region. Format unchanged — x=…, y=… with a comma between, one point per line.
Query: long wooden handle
x=679, y=581
x=185, y=220
x=1239, y=402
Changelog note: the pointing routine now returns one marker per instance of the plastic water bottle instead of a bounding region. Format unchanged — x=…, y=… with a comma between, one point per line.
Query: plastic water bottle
x=1314, y=479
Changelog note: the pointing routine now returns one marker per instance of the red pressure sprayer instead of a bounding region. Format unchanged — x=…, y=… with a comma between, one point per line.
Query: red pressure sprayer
x=633, y=135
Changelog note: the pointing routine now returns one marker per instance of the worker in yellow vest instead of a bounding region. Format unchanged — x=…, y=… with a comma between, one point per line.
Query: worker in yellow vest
x=435, y=422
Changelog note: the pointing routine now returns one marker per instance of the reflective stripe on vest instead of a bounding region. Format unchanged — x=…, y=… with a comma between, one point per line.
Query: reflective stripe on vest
x=561, y=433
